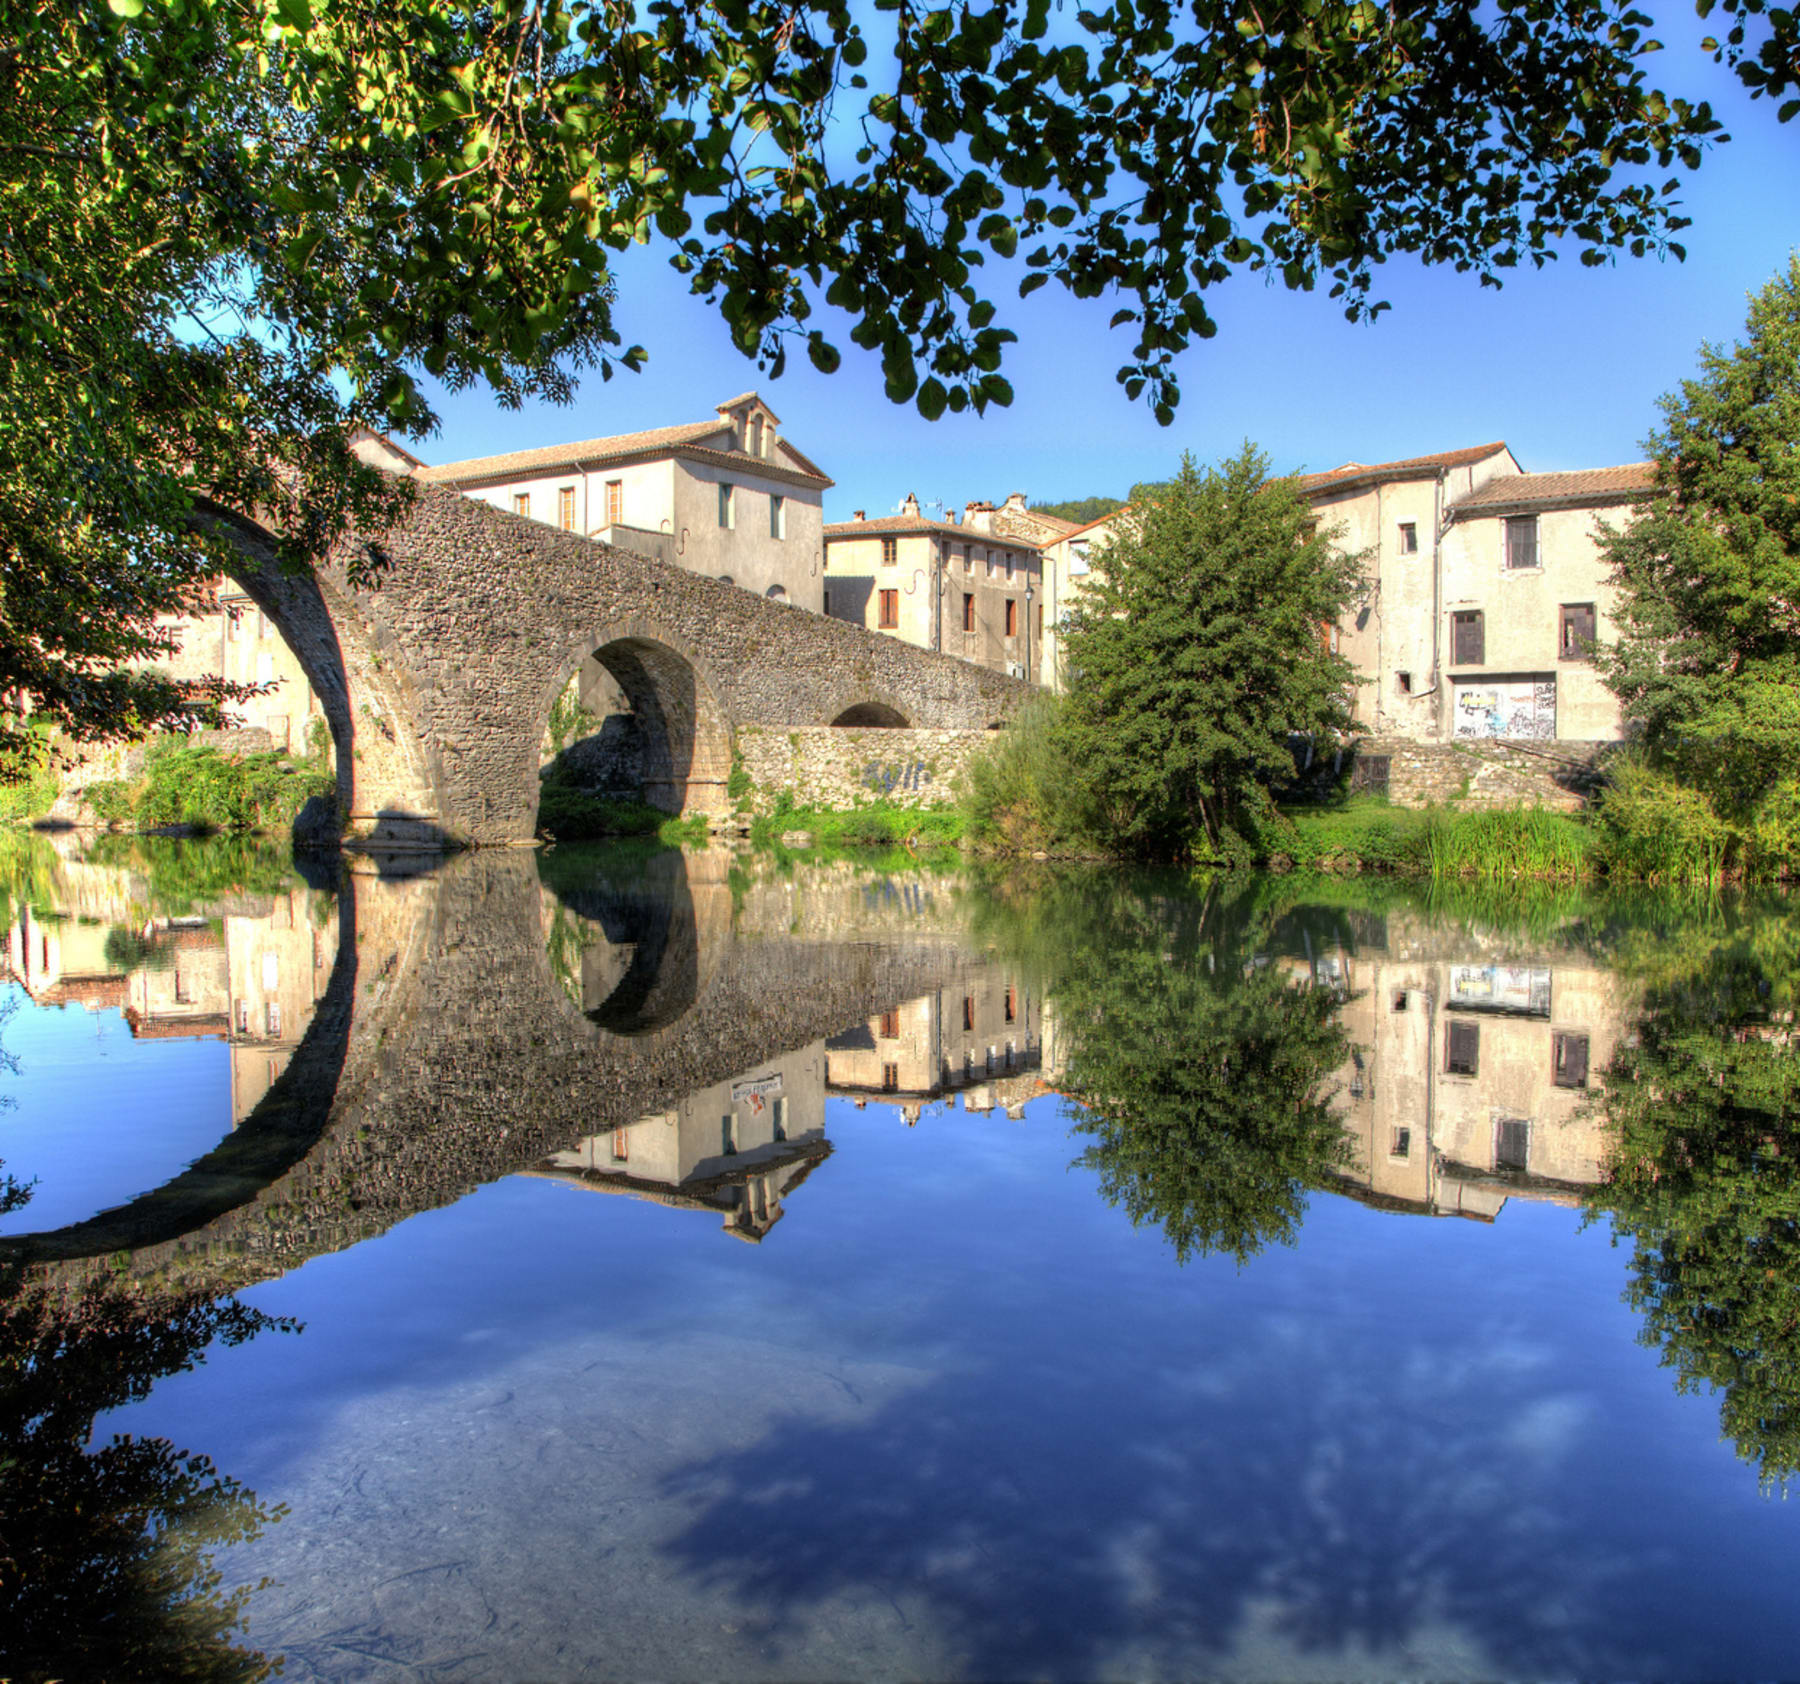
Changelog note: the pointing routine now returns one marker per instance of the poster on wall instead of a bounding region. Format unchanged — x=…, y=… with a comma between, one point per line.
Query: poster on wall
x=1508, y=707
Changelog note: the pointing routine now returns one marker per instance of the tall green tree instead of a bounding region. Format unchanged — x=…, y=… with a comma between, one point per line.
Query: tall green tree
x=1201, y=649
x=231, y=231
x=1708, y=657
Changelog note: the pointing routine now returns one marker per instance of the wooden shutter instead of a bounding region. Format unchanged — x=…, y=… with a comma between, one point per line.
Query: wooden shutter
x=1468, y=639
x=1570, y=1061
x=1512, y=1144
x=1463, y=1052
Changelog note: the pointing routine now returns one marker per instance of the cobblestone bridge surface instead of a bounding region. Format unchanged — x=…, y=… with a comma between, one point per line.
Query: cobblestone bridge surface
x=438, y=671
x=452, y=1047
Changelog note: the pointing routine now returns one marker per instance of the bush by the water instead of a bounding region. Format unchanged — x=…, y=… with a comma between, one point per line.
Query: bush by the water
x=203, y=789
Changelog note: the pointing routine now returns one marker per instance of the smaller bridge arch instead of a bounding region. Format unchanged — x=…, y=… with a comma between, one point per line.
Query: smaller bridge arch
x=883, y=716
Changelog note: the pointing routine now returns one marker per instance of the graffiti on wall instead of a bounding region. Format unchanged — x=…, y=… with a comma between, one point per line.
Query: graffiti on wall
x=1515, y=707
x=888, y=776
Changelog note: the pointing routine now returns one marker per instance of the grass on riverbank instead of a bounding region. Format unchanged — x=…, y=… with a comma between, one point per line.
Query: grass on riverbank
x=1365, y=833
x=880, y=824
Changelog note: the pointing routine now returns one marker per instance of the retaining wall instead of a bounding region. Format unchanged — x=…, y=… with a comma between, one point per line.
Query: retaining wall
x=838, y=766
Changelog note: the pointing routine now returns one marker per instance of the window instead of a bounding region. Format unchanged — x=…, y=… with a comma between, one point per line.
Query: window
x=1399, y=1143
x=1521, y=541
x=1512, y=1143
x=621, y=1145
x=1468, y=638
x=828, y=602
x=727, y=514
x=756, y=432
x=890, y=551
x=1409, y=538
x=968, y=558
x=1399, y=999
x=1012, y=1005
x=1403, y=683
x=1575, y=641
x=1012, y=618
x=780, y=1119
x=234, y=618
x=1009, y=564
x=522, y=503
x=728, y=1134
x=968, y=1011
x=184, y=989
x=1569, y=1060
x=890, y=610
x=272, y=1018
x=1040, y=622
x=565, y=508
x=615, y=502
x=1462, y=1052
x=890, y=1026
x=243, y=1017
x=777, y=516
x=968, y=612
x=890, y=1078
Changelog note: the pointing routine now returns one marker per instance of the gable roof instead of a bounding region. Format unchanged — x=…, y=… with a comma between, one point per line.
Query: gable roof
x=1409, y=467
x=889, y=526
x=1623, y=484
x=1102, y=520
x=704, y=439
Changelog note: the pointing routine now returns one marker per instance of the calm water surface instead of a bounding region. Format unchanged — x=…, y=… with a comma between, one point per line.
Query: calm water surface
x=633, y=1264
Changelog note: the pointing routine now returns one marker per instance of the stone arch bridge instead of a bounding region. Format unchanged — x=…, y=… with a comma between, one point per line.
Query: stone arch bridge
x=438, y=674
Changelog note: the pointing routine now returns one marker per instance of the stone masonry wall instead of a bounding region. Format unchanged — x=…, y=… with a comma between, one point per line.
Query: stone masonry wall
x=1560, y=774
x=826, y=766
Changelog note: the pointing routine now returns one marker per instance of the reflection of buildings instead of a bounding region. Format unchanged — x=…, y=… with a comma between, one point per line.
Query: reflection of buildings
x=737, y=1148
x=1470, y=1070
x=252, y=980
x=982, y=1040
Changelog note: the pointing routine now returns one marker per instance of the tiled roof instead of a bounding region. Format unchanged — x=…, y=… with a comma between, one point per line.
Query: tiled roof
x=1623, y=484
x=888, y=526
x=749, y=397
x=1076, y=531
x=1410, y=467
x=559, y=455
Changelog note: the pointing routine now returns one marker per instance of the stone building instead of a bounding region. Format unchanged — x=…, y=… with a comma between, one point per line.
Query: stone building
x=227, y=636
x=968, y=589
x=1069, y=562
x=1486, y=593
x=730, y=498
x=969, y=1041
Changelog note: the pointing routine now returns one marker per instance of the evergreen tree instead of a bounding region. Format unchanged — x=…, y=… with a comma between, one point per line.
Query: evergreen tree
x=1201, y=649
x=1708, y=657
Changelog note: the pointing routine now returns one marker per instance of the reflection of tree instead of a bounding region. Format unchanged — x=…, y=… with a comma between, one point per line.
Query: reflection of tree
x=1201, y=1069
x=1704, y=1180
x=106, y=1568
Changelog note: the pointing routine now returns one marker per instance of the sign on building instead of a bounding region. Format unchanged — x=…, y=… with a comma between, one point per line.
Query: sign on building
x=1501, y=988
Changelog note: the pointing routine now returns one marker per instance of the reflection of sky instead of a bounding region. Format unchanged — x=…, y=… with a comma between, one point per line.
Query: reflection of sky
x=102, y=1116
x=956, y=1417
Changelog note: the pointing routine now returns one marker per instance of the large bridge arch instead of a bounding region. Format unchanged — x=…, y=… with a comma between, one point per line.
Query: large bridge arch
x=386, y=783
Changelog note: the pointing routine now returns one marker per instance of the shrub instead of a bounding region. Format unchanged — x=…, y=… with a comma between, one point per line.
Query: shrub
x=1507, y=842
x=1657, y=830
x=1021, y=792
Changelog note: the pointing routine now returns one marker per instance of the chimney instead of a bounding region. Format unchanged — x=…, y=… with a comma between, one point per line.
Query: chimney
x=858, y=514
x=1016, y=503
x=911, y=506
x=979, y=517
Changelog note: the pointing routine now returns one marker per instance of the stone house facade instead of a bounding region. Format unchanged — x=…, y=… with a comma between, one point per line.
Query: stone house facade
x=1486, y=594
x=1069, y=562
x=967, y=589
x=227, y=636
x=730, y=498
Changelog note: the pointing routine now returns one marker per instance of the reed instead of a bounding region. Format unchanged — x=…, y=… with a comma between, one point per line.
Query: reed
x=1507, y=843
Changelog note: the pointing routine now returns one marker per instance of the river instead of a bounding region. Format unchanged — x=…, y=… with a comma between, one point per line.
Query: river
x=620, y=1262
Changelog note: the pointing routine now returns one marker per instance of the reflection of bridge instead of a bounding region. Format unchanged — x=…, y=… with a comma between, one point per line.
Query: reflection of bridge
x=450, y=1048
x=438, y=672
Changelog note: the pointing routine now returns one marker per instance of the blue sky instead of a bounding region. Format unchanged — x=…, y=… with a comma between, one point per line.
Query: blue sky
x=1565, y=364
